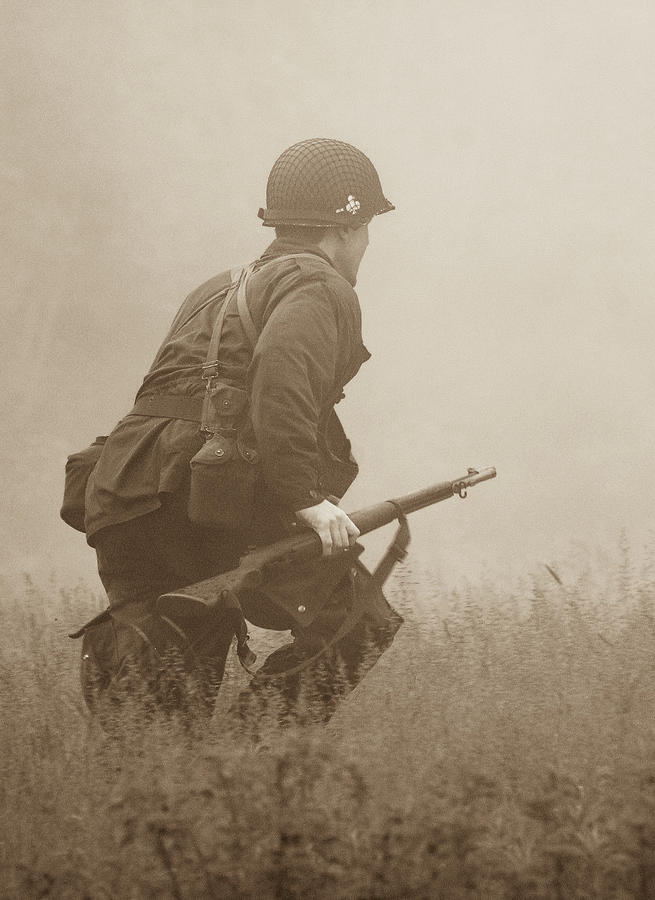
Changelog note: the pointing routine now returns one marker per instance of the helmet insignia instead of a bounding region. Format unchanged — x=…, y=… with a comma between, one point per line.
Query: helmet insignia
x=352, y=206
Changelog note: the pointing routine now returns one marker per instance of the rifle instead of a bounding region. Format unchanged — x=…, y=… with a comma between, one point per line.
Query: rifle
x=277, y=565
x=278, y=561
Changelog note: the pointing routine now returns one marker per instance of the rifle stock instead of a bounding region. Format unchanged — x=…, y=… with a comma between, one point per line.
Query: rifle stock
x=306, y=545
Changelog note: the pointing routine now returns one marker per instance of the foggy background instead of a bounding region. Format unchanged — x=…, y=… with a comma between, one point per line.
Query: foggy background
x=507, y=302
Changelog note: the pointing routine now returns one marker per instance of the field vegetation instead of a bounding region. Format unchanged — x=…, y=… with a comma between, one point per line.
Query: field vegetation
x=503, y=747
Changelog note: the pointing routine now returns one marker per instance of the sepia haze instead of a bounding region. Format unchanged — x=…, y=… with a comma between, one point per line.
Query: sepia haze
x=507, y=302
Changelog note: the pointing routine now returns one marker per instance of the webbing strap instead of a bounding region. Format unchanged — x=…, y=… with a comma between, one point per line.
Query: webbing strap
x=169, y=406
x=210, y=368
x=242, y=306
x=217, y=331
x=237, y=288
x=240, y=278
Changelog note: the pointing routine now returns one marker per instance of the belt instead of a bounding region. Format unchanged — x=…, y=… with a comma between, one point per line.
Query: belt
x=169, y=406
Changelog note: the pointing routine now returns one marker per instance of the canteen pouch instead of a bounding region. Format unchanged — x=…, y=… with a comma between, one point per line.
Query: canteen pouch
x=223, y=482
x=78, y=470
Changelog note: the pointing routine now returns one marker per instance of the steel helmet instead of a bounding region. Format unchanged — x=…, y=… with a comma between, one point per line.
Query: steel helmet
x=323, y=182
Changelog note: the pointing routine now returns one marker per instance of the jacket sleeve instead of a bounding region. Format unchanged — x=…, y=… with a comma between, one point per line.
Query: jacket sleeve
x=291, y=379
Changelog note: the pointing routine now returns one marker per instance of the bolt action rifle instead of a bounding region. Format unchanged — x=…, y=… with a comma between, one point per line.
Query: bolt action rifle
x=278, y=568
x=291, y=573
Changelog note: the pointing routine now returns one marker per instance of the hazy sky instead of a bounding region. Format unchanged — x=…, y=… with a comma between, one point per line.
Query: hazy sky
x=507, y=302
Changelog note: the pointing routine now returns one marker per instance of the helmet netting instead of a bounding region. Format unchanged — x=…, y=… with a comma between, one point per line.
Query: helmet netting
x=323, y=181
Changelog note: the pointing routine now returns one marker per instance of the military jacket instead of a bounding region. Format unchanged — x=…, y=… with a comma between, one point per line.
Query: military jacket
x=309, y=347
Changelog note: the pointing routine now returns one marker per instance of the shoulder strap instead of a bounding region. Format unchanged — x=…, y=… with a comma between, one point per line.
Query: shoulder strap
x=211, y=365
x=240, y=277
x=217, y=331
x=242, y=305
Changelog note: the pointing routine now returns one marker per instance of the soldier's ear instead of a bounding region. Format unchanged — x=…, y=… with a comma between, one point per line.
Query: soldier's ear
x=344, y=233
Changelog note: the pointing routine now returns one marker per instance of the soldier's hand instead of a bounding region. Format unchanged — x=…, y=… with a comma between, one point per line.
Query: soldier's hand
x=331, y=524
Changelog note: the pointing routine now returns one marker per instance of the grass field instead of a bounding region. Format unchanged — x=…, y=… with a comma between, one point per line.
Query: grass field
x=503, y=747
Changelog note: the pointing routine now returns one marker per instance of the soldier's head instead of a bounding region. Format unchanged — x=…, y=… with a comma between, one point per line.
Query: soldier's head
x=325, y=192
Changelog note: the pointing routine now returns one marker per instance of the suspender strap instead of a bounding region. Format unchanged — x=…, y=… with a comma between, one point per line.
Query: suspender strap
x=198, y=409
x=236, y=293
x=242, y=306
x=247, y=322
x=210, y=368
x=239, y=284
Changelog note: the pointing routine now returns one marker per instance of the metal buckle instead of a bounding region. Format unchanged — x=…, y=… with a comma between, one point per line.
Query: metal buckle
x=214, y=367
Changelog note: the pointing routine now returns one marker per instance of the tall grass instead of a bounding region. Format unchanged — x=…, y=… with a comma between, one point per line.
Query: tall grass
x=503, y=747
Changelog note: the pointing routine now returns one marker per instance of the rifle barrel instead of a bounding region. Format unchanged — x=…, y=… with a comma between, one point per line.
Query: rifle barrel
x=380, y=514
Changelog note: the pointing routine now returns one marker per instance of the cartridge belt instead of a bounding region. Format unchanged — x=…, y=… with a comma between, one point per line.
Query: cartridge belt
x=169, y=406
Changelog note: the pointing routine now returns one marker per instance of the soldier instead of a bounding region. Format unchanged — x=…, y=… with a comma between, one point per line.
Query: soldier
x=258, y=358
